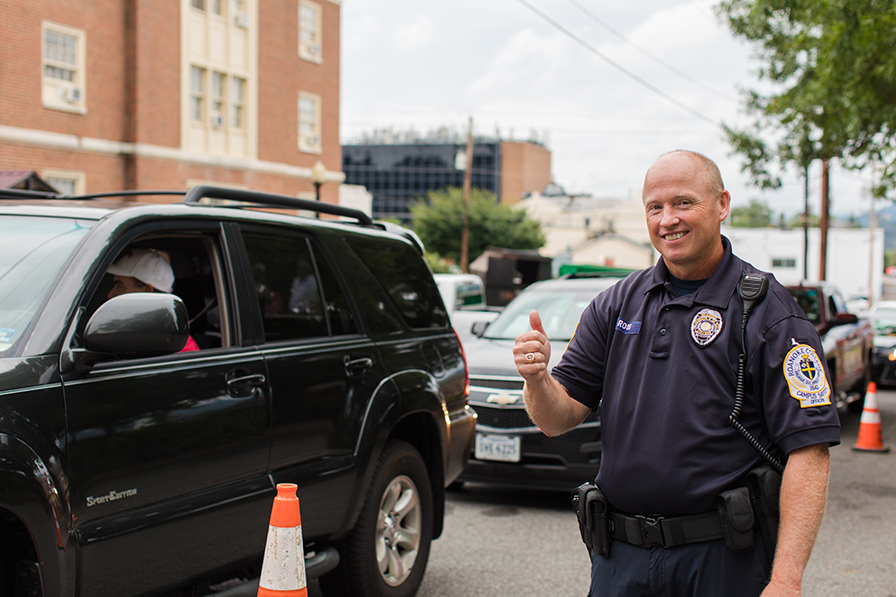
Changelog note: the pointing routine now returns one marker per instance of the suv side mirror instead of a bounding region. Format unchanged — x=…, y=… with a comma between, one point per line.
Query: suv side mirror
x=140, y=324
x=479, y=327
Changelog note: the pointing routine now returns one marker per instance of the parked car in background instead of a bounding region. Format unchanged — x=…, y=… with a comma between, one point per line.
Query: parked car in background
x=847, y=341
x=326, y=359
x=883, y=320
x=464, y=297
x=509, y=448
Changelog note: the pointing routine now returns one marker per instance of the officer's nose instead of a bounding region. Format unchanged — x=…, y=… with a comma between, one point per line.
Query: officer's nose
x=669, y=217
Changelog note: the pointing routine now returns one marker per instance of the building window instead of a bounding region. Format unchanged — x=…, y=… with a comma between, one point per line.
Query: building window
x=783, y=262
x=197, y=93
x=237, y=102
x=67, y=182
x=310, y=47
x=309, y=123
x=198, y=4
x=217, y=100
x=62, y=67
x=219, y=77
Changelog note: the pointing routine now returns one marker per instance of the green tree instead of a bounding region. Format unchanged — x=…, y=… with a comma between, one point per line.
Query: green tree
x=830, y=69
x=756, y=215
x=821, y=59
x=797, y=221
x=438, y=221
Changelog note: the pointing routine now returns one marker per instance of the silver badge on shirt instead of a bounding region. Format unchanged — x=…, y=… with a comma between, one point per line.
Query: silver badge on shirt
x=706, y=326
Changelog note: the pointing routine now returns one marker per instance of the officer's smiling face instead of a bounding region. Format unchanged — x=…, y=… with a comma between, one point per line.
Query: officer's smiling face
x=684, y=215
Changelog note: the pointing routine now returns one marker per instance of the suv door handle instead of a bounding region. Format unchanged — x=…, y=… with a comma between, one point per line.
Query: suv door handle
x=242, y=387
x=357, y=367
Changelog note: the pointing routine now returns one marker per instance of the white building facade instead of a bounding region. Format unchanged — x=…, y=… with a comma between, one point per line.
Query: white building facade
x=855, y=256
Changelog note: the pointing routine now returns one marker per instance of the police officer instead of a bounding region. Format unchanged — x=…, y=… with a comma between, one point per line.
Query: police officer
x=658, y=353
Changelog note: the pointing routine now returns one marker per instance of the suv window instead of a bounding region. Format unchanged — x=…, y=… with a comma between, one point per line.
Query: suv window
x=32, y=251
x=293, y=285
x=406, y=280
x=198, y=281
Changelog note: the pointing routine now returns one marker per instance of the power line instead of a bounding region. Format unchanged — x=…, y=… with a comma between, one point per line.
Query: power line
x=656, y=59
x=618, y=66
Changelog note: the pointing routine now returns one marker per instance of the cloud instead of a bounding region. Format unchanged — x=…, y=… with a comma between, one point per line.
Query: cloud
x=415, y=35
x=527, y=64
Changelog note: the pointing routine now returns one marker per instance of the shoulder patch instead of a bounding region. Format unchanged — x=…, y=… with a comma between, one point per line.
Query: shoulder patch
x=805, y=377
x=706, y=326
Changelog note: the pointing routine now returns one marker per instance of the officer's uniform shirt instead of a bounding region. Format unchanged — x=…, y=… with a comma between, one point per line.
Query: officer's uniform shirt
x=664, y=370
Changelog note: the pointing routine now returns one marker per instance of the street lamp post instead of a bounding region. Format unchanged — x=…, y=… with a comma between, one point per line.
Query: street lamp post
x=318, y=174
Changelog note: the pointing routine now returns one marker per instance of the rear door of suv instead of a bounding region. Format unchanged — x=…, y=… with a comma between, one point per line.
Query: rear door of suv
x=322, y=366
x=168, y=455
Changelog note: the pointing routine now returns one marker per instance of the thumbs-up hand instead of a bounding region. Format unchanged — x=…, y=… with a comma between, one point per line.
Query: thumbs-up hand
x=532, y=350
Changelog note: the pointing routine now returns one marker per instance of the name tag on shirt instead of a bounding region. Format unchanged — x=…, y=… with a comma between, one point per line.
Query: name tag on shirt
x=628, y=328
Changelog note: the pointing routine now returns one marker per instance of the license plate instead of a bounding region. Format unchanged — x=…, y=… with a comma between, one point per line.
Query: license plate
x=505, y=448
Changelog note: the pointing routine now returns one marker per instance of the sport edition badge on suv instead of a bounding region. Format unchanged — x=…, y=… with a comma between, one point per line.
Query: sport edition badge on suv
x=142, y=434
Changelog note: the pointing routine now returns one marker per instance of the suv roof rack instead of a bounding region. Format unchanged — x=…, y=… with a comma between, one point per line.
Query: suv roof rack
x=195, y=195
x=199, y=192
x=25, y=194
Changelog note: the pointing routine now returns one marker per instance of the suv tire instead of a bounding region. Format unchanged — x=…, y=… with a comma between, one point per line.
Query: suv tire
x=385, y=554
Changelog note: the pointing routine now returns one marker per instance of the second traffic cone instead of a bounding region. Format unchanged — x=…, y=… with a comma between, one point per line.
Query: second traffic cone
x=870, y=438
x=283, y=569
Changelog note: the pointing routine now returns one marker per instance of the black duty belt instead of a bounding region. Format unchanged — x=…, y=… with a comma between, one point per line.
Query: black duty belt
x=648, y=531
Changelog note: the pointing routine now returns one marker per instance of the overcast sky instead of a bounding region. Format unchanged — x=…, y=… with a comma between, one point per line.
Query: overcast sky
x=423, y=64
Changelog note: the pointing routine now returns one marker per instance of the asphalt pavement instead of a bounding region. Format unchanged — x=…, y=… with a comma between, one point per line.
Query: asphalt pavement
x=855, y=554
x=518, y=542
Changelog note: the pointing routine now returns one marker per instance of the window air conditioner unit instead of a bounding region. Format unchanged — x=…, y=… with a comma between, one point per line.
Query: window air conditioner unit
x=241, y=19
x=217, y=121
x=72, y=94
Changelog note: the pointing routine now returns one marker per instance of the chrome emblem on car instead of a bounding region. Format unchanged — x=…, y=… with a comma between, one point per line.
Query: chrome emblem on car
x=503, y=399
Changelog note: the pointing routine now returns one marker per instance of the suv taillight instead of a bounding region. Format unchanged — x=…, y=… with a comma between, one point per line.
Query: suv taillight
x=463, y=355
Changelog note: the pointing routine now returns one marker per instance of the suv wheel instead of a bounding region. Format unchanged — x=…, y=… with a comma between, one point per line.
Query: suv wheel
x=385, y=554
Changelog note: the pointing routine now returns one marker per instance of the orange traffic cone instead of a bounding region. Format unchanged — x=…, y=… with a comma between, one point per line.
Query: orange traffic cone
x=870, y=438
x=283, y=569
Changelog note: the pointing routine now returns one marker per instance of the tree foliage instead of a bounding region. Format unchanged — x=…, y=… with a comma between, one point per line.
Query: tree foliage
x=831, y=66
x=438, y=222
x=756, y=215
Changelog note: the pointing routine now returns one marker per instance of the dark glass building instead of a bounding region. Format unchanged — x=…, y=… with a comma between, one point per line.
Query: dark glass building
x=399, y=174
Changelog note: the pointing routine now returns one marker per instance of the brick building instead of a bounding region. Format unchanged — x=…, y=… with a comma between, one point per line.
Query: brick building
x=397, y=170
x=102, y=95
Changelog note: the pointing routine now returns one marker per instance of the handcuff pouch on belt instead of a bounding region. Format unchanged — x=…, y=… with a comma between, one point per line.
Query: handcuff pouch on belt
x=764, y=483
x=593, y=513
x=736, y=518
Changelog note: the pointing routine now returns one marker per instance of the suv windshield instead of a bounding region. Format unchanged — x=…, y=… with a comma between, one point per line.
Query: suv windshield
x=559, y=308
x=32, y=250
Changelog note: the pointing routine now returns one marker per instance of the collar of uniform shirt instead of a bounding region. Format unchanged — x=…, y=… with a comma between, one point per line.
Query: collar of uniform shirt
x=717, y=290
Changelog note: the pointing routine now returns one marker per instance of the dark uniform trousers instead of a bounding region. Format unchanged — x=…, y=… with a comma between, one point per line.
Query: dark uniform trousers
x=706, y=569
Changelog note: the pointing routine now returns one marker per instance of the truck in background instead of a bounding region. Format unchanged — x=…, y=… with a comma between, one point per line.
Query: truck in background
x=464, y=298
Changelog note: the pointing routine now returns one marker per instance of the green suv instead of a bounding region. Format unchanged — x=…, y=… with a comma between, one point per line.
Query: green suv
x=320, y=354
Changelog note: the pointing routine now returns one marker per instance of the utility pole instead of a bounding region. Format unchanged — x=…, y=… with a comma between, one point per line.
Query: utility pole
x=823, y=222
x=806, y=226
x=465, y=230
x=872, y=223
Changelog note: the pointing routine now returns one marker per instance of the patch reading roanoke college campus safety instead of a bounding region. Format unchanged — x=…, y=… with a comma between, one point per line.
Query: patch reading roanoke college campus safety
x=805, y=377
x=706, y=326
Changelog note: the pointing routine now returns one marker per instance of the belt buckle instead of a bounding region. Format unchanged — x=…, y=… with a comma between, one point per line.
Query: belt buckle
x=651, y=531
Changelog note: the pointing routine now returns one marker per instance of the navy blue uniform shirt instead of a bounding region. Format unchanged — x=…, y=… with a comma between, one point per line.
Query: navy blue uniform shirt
x=664, y=369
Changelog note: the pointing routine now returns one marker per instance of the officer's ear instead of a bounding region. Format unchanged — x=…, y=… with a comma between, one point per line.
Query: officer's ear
x=724, y=205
